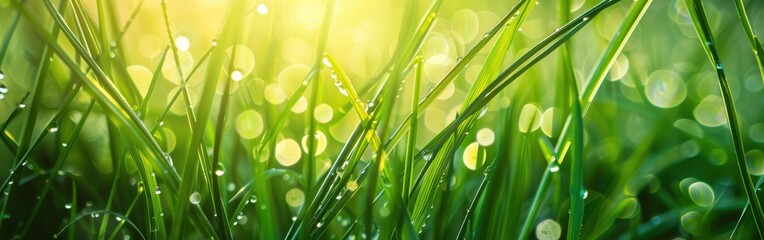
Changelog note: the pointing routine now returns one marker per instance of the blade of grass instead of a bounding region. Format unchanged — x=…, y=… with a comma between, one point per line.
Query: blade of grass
x=408, y=168
x=753, y=40
x=57, y=166
x=83, y=215
x=541, y=192
x=9, y=32
x=706, y=38
x=228, y=36
x=577, y=191
x=215, y=195
x=116, y=105
x=442, y=158
x=29, y=127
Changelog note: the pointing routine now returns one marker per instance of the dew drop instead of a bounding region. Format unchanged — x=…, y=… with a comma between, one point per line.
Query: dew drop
x=53, y=129
x=253, y=199
x=157, y=190
x=68, y=206
x=2, y=75
x=554, y=168
x=3, y=88
x=339, y=85
x=719, y=66
x=240, y=216
x=482, y=112
x=22, y=105
x=118, y=218
x=585, y=19
x=319, y=224
x=427, y=155
x=219, y=172
x=326, y=62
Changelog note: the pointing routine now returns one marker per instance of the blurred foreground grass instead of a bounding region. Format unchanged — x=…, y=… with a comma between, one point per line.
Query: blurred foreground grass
x=344, y=119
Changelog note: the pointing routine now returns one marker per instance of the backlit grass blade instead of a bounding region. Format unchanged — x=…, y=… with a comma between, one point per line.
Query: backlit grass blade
x=154, y=80
x=228, y=36
x=451, y=75
x=441, y=159
x=215, y=193
x=104, y=94
x=753, y=40
x=706, y=38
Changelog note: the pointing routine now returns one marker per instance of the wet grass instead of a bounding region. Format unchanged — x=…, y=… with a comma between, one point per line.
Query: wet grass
x=527, y=131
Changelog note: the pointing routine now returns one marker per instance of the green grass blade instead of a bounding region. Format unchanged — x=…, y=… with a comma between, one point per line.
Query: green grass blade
x=753, y=40
x=228, y=36
x=577, y=191
x=706, y=38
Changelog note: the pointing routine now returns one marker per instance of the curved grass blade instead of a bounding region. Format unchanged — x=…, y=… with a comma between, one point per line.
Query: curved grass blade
x=753, y=40
x=442, y=158
x=83, y=215
x=706, y=38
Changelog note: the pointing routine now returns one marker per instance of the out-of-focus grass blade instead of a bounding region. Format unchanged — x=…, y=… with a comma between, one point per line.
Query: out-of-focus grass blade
x=88, y=214
x=697, y=11
x=753, y=40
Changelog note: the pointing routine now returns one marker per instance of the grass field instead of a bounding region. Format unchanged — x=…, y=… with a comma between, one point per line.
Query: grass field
x=402, y=119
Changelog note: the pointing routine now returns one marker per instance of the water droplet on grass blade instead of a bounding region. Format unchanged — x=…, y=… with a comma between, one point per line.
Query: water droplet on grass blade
x=554, y=168
x=157, y=190
x=68, y=206
x=3, y=88
x=253, y=199
x=427, y=155
x=326, y=62
x=219, y=170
